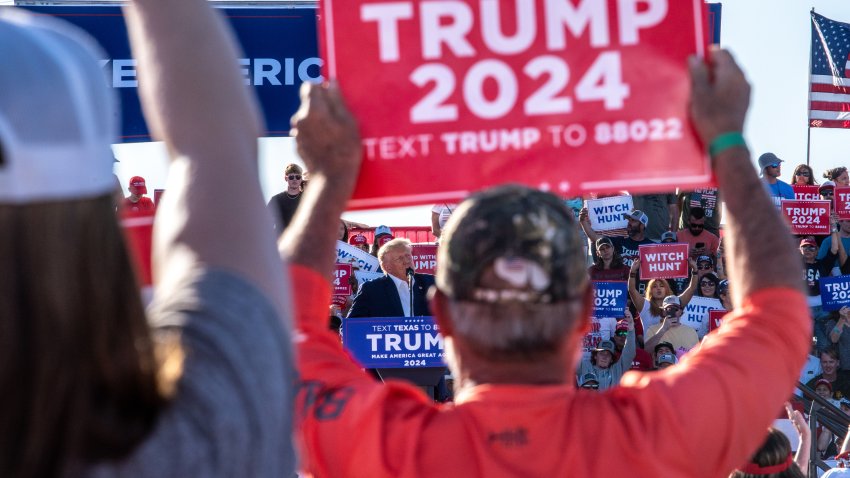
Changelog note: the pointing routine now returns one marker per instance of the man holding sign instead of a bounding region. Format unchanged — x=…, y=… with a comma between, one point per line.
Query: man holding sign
x=627, y=246
x=512, y=302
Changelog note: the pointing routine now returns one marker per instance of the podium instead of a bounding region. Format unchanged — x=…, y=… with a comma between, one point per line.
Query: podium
x=426, y=377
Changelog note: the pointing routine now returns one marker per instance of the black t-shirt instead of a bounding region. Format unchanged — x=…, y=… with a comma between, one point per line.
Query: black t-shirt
x=813, y=273
x=628, y=248
x=282, y=206
x=840, y=387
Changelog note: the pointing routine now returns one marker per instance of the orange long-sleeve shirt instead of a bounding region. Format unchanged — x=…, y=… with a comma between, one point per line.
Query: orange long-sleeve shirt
x=701, y=418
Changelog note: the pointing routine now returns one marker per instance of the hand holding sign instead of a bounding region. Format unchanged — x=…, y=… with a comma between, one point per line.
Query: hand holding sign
x=720, y=97
x=565, y=79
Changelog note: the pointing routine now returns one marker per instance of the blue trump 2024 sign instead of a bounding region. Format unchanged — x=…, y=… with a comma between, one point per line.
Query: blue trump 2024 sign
x=835, y=292
x=279, y=46
x=609, y=298
x=394, y=342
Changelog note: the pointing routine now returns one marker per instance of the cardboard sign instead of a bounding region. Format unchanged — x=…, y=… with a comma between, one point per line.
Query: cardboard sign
x=807, y=217
x=663, y=261
x=606, y=214
x=342, y=272
x=394, y=342
x=806, y=193
x=366, y=262
x=715, y=319
x=601, y=328
x=502, y=92
x=363, y=276
x=842, y=202
x=609, y=298
x=835, y=292
x=425, y=258
x=696, y=313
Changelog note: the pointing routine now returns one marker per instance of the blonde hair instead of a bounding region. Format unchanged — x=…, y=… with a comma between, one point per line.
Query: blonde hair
x=655, y=309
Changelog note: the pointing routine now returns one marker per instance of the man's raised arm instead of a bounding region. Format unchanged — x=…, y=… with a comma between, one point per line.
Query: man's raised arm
x=760, y=252
x=196, y=101
x=329, y=144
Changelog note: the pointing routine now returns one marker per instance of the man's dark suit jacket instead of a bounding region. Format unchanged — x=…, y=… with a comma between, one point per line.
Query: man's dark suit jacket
x=379, y=298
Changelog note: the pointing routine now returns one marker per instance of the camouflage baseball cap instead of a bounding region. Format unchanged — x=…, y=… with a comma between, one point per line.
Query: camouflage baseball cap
x=511, y=244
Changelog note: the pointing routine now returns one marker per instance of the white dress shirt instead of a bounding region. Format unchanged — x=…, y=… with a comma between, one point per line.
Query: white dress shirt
x=403, y=294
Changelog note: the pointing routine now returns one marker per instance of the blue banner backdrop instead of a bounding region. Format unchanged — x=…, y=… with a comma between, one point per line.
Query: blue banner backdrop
x=279, y=45
x=393, y=342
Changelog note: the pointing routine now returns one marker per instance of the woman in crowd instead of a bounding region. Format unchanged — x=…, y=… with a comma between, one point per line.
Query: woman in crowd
x=803, y=176
x=89, y=388
x=608, y=265
x=649, y=304
x=709, y=286
x=838, y=175
x=774, y=458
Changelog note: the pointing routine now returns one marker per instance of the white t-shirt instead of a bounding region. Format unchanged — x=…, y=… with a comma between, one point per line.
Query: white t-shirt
x=445, y=211
x=647, y=318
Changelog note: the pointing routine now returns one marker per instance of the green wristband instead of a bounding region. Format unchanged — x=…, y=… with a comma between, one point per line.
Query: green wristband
x=725, y=141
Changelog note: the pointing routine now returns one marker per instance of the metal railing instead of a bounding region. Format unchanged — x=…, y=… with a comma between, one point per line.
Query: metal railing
x=822, y=412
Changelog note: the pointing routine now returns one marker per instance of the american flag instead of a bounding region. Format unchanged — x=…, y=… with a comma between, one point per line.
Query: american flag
x=829, y=92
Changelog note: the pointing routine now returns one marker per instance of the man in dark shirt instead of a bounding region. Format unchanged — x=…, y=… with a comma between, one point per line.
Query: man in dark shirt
x=283, y=205
x=840, y=380
x=626, y=246
x=814, y=269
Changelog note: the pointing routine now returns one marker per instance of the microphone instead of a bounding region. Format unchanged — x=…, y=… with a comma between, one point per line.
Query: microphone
x=409, y=273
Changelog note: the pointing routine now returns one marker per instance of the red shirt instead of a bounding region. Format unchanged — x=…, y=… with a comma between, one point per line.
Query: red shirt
x=705, y=416
x=144, y=204
x=618, y=274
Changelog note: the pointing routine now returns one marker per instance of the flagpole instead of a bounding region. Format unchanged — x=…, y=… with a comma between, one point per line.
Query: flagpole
x=809, y=106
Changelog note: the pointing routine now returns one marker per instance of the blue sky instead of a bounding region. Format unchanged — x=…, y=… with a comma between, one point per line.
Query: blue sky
x=769, y=38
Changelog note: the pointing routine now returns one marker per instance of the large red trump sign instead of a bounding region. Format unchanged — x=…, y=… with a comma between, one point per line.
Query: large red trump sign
x=567, y=95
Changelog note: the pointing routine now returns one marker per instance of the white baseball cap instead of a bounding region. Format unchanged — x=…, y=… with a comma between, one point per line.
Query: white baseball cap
x=58, y=117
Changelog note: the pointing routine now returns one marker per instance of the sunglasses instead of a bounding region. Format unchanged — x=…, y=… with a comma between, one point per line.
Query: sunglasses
x=827, y=193
x=810, y=248
x=774, y=165
x=592, y=387
x=805, y=174
x=704, y=267
x=706, y=284
x=623, y=333
x=294, y=177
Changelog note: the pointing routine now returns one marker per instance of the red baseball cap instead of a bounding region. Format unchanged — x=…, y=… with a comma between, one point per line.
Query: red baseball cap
x=808, y=242
x=138, y=183
x=384, y=239
x=824, y=381
x=358, y=240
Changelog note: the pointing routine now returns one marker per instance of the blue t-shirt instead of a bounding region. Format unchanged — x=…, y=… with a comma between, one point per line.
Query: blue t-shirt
x=779, y=191
x=827, y=243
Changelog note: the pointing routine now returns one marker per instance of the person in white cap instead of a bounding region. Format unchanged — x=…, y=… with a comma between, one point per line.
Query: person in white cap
x=671, y=330
x=90, y=386
x=635, y=234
